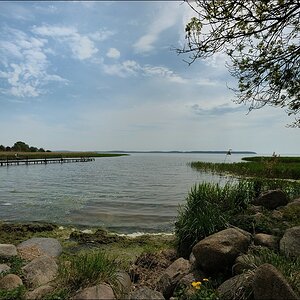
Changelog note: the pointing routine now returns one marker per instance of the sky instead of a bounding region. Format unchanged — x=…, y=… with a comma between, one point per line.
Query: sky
x=105, y=76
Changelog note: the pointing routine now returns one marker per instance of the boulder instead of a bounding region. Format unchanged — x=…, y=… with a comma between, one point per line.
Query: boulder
x=39, y=293
x=237, y=287
x=10, y=282
x=36, y=247
x=145, y=293
x=290, y=242
x=4, y=268
x=269, y=284
x=294, y=204
x=123, y=284
x=218, y=251
x=271, y=199
x=266, y=240
x=170, y=277
x=100, y=292
x=242, y=263
x=8, y=250
x=40, y=271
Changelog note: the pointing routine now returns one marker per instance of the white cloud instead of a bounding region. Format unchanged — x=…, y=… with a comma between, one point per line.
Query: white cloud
x=166, y=17
x=101, y=35
x=113, y=53
x=81, y=46
x=132, y=68
x=25, y=65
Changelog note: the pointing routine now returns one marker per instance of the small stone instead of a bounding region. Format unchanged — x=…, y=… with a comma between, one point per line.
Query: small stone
x=99, y=292
x=10, y=282
x=4, y=268
x=8, y=250
x=266, y=240
x=39, y=292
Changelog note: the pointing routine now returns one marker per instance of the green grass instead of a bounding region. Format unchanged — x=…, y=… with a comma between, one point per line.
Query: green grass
x=87, y=269
x=15, y=294
x=208, y=209
x=271, y=167
x=42, y=155
x=289, y=267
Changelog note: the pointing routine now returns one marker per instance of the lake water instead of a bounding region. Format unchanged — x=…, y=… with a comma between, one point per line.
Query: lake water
x=136, y=193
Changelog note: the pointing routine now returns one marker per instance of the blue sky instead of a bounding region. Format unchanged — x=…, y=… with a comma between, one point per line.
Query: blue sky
x=103, y=76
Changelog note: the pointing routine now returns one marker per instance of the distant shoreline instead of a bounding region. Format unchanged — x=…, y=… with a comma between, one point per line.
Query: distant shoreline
x=187, y=152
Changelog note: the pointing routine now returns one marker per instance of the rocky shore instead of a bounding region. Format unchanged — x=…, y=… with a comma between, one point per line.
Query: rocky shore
x=225, y=265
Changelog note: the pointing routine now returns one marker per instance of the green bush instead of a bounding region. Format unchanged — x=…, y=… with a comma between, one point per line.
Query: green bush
x=208, y=209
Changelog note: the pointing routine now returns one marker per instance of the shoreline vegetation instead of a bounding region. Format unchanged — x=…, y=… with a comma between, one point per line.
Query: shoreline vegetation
x=41, y=155
x=259, y=166
x=234, y=241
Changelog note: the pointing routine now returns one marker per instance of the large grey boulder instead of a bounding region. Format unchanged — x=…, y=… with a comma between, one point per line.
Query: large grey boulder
x=170, y=277
x=36, y=247
x=271, y=199
x=218, y=251
x=269, y=284
x=40, y=271
x=8, y=250
x=290, y=242
x=10, y=282
x=237, y=287
x=145, y=293
x=100, y=292
x=266, y=240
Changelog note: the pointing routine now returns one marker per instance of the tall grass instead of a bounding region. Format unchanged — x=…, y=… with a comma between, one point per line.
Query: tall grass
x=208, y=209
x=288, y=266
x=87, y=269
x=269, y=168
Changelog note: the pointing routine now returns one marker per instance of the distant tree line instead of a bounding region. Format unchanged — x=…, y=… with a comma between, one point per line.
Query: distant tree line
x=22, y=147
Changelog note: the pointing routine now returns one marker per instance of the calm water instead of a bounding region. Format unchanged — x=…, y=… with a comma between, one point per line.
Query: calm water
x=140, y=192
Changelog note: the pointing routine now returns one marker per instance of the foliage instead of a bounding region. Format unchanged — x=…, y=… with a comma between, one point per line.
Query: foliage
x=21, y=147
x=261, y=39
x=268, y=168
x=288, y=266
x=208, y=209
x=87, y=269
x=198, y=290
x=15, y=294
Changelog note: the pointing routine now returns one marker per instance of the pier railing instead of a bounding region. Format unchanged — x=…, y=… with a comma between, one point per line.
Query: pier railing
x=30, y=161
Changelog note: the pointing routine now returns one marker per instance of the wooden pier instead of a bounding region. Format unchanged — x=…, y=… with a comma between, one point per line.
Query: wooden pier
x=30, y=161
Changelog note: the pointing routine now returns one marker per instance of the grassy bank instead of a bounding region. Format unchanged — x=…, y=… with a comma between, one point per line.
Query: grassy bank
x=267, y=167
x=42, y=155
